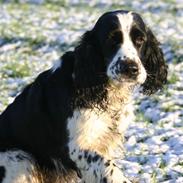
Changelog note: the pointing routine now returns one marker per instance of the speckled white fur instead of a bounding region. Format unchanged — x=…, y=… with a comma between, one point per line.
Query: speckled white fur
x=99, y=134
x=18, y=170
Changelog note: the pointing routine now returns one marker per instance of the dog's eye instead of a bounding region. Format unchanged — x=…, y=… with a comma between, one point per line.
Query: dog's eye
x=115, y=38
x=139, y=41
x=137, y=36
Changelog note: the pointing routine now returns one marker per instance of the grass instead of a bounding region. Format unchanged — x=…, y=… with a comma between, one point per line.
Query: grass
x=162, y=164
x=153, y=177
x=173, y=78
x=140, y=117
x=16, y=70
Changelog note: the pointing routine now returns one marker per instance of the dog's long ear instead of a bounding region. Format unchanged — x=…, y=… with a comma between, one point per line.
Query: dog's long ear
x=154, y=64
x=88, y=61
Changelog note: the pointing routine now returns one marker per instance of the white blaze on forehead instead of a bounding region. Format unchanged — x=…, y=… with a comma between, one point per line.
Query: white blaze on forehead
x=127, y=48
x=125, y=21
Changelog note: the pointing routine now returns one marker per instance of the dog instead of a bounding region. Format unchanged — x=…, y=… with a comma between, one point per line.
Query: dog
x=67, y=124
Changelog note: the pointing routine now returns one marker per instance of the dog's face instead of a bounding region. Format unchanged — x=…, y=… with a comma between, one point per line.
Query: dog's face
x=123, y=48
x=122, y=36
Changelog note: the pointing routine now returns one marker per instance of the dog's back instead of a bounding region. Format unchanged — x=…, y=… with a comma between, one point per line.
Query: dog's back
x=35, y=123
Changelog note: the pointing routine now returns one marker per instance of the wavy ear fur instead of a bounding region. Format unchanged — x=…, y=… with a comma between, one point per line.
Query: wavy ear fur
x=154, y=64
x=89, y=73
x=89, y=63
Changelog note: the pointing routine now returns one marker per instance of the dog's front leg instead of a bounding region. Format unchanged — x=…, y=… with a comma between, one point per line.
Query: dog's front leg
x=95, y=168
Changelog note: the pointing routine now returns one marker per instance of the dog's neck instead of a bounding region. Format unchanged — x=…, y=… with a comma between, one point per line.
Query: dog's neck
x=106, y=97
x=118, y=96
x=99, y=129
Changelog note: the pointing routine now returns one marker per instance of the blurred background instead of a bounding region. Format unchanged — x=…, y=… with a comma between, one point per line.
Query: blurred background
x=35, y=33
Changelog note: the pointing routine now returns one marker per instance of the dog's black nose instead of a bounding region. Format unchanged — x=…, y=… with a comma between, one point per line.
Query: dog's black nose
x=129, y=68
x=132, y=69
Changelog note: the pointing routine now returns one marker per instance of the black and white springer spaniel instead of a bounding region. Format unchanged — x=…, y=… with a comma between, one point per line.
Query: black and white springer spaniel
x=68, y=122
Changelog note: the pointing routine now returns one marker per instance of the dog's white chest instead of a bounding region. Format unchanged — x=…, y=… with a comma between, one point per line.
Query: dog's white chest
x=97, y=131
x=86, y=126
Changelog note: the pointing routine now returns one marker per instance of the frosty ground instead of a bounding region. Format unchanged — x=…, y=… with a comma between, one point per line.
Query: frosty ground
x=35, y=34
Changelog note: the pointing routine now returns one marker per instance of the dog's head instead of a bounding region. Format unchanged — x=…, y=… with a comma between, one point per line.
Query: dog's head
x=120, y=49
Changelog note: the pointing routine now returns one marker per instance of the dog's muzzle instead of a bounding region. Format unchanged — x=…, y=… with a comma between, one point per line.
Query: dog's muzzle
x=127, y=68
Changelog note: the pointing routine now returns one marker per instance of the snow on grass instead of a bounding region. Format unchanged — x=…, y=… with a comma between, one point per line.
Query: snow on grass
x=35, y=33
